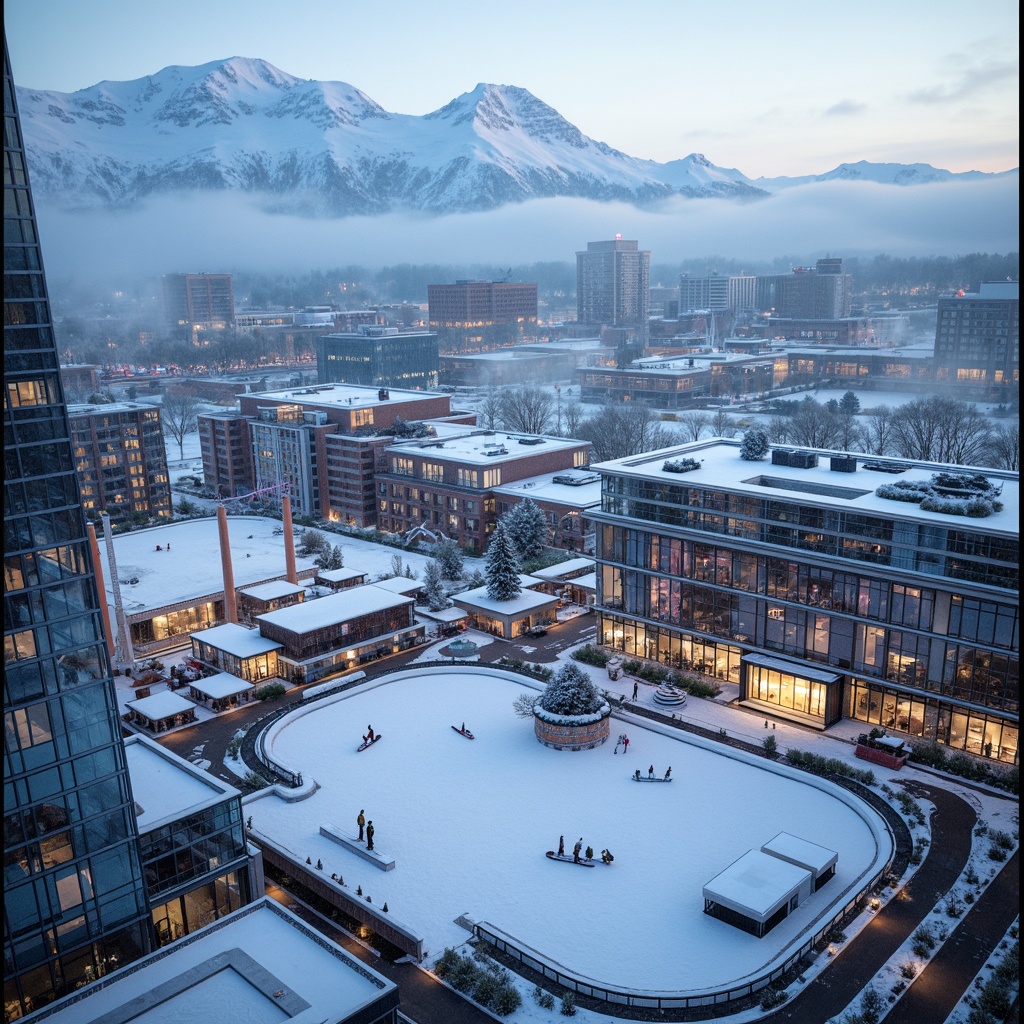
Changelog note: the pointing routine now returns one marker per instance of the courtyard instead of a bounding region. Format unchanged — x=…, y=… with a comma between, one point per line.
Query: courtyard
x=467, y=823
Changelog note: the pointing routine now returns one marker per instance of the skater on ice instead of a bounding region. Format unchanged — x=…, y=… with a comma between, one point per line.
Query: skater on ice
x=576, y=850
x=625, y=743
x=668, y=772
x=369, y=835
x=650, y=772
x=361, y=822
x=636, y=775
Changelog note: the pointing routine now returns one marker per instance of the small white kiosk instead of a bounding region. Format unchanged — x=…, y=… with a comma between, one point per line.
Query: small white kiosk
x=756, y=892
x=804, y=854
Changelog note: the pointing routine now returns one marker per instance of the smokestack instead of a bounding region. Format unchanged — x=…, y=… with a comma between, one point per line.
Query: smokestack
x=123, y=653
x=230, y=605
x=289, y=540
x=101, y=588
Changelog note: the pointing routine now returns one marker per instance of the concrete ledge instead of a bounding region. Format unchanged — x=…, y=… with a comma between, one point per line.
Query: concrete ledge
x=334, y=833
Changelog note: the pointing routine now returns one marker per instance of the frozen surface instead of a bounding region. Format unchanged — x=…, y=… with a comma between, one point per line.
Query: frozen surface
x=468, y=823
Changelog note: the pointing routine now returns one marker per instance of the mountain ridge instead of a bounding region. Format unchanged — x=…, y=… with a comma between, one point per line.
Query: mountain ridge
x=316, y=148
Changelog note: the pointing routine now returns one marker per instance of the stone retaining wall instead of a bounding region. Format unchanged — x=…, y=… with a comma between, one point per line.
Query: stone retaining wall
x=573, y=737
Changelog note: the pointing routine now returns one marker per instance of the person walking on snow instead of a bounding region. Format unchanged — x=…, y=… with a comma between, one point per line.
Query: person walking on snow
x=576, y=850
x=650, y=772
x=360, y=821
x=636, y=688
x=625, y=743
x=369, y=835
x=561, y=846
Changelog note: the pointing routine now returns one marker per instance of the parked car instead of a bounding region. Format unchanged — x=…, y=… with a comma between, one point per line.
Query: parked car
x=539, y=631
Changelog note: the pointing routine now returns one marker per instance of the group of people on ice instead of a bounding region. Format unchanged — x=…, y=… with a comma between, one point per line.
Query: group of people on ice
x=650, y=773
x=587, y=854
x=622, y=741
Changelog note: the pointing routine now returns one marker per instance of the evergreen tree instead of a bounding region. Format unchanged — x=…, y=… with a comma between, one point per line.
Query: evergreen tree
x=433, y=586
x=450, y=558
x=754, y=445
x=527, y=527
x=571, y=692
x=849, y=404
x=330, y=557
x=502, y=571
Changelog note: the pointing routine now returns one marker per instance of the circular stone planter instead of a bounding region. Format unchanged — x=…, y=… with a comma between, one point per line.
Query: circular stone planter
x=572, y=732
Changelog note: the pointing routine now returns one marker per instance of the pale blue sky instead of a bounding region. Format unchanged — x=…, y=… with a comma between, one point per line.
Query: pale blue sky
x=794, y=88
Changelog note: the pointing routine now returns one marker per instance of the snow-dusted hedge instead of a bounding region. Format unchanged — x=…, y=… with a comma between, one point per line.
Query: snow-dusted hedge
x=552, y=719
x=953, y=494
x=680, y=465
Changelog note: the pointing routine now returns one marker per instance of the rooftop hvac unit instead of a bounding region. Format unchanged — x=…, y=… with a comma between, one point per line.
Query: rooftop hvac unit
x=803, y=460
x=843, y=464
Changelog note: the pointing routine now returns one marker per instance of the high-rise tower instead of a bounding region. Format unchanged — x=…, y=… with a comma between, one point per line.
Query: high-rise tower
x=75, y=903
x=613, y=285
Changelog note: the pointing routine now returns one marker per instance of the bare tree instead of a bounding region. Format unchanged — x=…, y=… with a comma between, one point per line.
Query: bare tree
x=621, y=430
x=694, y=423
x=527, y=409
x=941, y=430
x=1005, y=447
x=877, y=431
x=816, y=426
x=178, y=414
x=778, y=429
x=489, y=409
x=572, y=417
x=722, y=424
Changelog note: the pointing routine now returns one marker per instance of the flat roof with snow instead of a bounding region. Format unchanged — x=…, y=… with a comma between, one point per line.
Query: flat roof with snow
x=161, y=705
x=565, y=570
x=801, y=852
x=261, y=965
x=236, y=640
x=398, y=585
x=165, y=786
x=756, y=884
x=566, y=487
x=343, y=396
x=340, y=575
x=273, y=589
x=221, y=685
x=329, y=611
x=484, y=448
x=525, y=601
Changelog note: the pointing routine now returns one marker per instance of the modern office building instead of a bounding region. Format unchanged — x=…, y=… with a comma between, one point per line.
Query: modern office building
x=613, y=285
x=198, y=302
x=977, y=337
x=709, y=291
x=823, y=585
x=880, y=331
x=823, y=292
x=121, y=461
x=377, y=356
x=480, y=316
x=74, y=895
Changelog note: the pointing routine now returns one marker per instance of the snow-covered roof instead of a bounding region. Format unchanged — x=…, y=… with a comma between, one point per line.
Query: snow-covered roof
x=563, y=569
x=344, y=396
x=288, y=971
x=801, y=852
x=451, y=614
x=722, y=468
x=165, y=786
x=755, y=884
x=484, y=448
x=588, y=582
x=223, y=684
x=339, y=575
x=188, y=566
x=236, y=640
x=794, y=668
x=161, y=705
x=329, y=611
x=552, y=487
x=399, y=585
x=525, y=601
x=273, y=589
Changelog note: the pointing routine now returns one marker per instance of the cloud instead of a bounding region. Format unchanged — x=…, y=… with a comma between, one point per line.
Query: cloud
x=845, y=108
x=225, y=232
x=971, y=81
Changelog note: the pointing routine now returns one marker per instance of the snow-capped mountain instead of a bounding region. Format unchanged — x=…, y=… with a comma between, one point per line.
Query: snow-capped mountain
x=325, y=148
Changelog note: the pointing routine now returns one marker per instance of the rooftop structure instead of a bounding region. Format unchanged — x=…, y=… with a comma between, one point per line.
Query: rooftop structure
x=807, y=581
x=260, y=964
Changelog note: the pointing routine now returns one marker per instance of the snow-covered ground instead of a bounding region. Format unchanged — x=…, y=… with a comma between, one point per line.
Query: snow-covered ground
x=468, y=821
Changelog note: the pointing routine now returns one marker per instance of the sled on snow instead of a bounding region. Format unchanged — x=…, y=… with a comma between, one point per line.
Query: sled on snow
x=464, y=732
x=567, y=858
x=367, y=743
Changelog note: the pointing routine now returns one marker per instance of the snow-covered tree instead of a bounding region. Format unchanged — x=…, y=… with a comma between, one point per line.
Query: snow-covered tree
x=502, y=571
x=754, y=445
x=433, y=586
x=571, y=692
x=849, y=404
x=450, y=558
x=330, y=557
x=527, y=527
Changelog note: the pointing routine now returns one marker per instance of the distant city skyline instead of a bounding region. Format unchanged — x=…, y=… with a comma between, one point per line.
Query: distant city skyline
x=792, y=94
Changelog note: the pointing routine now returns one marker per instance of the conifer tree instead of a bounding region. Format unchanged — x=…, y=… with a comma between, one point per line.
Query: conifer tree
x=571, y=692
x=450, y=558
x=502, y=571
x=433, y=586
x=527, y=527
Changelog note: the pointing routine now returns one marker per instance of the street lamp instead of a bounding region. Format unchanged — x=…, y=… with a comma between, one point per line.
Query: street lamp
x=558, y=395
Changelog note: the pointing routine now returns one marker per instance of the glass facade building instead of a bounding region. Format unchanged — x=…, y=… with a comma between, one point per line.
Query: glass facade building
x=75, y=901
x=818, y=596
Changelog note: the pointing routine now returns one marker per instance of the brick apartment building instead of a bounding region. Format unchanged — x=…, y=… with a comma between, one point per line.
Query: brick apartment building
x=479, y=316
